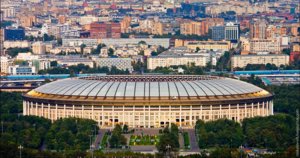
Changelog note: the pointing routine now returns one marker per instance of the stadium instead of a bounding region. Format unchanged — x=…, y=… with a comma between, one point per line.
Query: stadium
x=148, y=101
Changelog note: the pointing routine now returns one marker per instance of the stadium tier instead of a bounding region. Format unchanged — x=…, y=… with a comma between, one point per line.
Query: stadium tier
x=148, y=101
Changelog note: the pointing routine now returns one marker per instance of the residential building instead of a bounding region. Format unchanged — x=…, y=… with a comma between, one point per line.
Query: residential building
x=38, y=48
x=208, y=45
x=14, y=44
x=4, y=62
x=241, y=61
x=104, y=30
x=258, y=29
x=191, y=28
x=120, y=63
x=265, y=45
x=175, y=60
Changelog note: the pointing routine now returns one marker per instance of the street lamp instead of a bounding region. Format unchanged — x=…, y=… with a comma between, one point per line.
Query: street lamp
x=168, y=147
x=92, y=150
x=20, y=147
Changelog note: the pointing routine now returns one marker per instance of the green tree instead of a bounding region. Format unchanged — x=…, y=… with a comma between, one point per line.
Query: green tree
x=111, y=52
x=82, y=46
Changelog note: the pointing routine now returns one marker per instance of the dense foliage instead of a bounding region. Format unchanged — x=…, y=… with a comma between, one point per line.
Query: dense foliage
x=275, y=132
x=10, y=102
x=15, y=51
x=286, y=97
x=169, y=138
x=70, y=134
x=28, y=131
x=117, y=140
x=223, y=133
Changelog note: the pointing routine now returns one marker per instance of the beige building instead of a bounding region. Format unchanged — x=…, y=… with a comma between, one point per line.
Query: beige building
x=208, y=45
x=191, y=28
x=4, y=62
x=242, y=60
x=265, y=45
x=172, y=60
x=38, y=48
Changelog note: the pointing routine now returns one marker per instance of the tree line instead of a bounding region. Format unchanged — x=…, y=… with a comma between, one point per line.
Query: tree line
x=276, y=132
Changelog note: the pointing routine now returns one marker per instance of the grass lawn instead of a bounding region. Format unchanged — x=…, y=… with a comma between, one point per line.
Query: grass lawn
x=104, y=141
x=143, y=140
x=186, y=140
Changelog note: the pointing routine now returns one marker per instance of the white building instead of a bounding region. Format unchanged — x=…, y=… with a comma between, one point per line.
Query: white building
x=14, y=44
x=21, y=70
x=242, y=60
x=120, y=63
x=4, y=62
x=172, y=60
x=27, y=56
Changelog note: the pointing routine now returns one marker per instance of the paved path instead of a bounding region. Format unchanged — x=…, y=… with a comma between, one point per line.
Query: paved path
x=181, y=141
x=193, y=141
x=98, y=140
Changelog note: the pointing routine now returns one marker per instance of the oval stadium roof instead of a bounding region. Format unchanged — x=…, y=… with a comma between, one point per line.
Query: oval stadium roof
x=148, y=86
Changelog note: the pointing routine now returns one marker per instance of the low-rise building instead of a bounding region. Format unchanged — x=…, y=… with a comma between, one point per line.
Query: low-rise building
x=208, y=45
x=39, y=48
x=14, y=44
x=243, y=60
x=21, y=70
x=264, y=45
x=120, y=63
x=175, y=60
x=4, y=63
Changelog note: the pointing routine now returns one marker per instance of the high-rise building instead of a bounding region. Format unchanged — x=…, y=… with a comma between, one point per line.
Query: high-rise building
x=232, y=31
x=104, y=30
x=191, y=28
x=125, y=24
x=38, y=48
x=258, y=29
x=28, y=21
x=217, y=33
x=14, y=34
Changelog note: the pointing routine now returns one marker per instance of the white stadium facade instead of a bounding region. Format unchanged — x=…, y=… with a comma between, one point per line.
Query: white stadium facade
x=148, y=101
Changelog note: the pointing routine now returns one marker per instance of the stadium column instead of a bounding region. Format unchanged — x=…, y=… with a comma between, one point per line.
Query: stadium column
x=56, y=114
x=123, y=115
x=252, y=110
x=272, y=106
x=180, y=116
x=159, y=115
x=36, y=109
x=31, y=108
x=73, y=111
x=220, y=112
x=82, y=110
x=230, y=116
x=267, y=108
x=149, y=117
x=191, y=116
x=210, y=113
x=245, y=111
x=113, y=118
x=24, y=107
x=42, y=110
x=144, y=120
x=263, y=109
x=258, y=109
x=102, y=115
x=201, y=115
x=92, y=117
x=49, y=111
x=238, y=113
x=64, y=110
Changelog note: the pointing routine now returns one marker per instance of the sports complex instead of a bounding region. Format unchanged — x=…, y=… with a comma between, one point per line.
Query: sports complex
x=148, y=101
